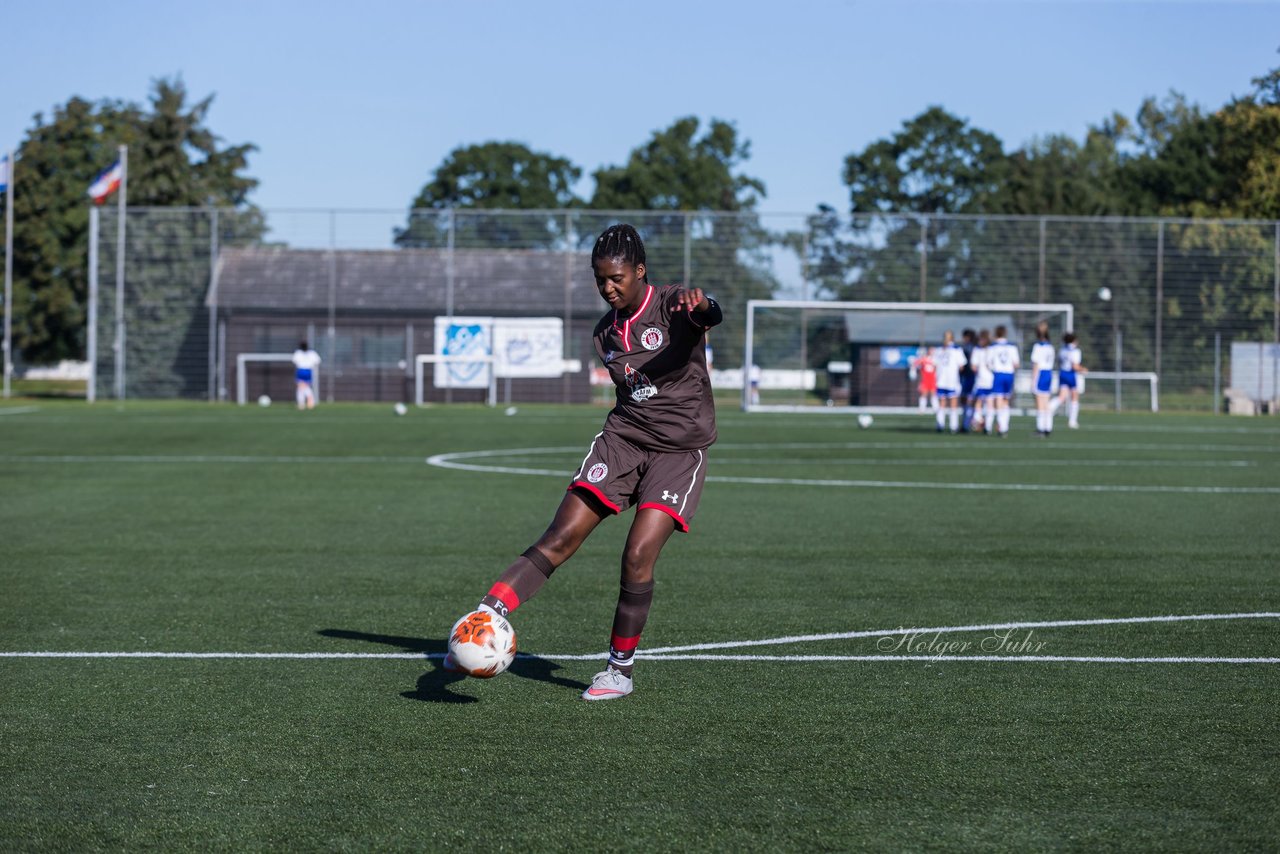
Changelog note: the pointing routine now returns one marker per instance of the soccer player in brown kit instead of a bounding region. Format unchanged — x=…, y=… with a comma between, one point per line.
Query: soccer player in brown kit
x=651, y=454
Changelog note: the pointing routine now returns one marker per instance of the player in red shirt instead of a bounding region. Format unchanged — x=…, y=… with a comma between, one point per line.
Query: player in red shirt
x=652, y=452
x=927, y=371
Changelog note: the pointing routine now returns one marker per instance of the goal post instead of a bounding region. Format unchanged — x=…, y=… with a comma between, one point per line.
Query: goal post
x=832, y=356
x=242, y=372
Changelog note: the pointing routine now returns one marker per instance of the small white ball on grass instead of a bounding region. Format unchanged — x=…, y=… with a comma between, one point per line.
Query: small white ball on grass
x=864, y=420
x=401, y=409
x=511, y=410
x=264, y=401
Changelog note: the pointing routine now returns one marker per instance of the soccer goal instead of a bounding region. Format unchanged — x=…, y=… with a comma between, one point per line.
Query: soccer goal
x=456, y=372
x=1119, y=390
x=243, y=360
x=826, y=356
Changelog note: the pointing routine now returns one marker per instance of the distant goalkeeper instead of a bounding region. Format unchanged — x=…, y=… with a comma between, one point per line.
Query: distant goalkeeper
x=305, y=362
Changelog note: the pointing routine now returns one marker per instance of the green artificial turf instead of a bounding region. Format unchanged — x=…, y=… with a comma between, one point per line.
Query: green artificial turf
x=191, y=528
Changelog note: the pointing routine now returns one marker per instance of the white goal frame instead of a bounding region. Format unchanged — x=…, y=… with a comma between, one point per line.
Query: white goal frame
x=747, y=357
x=242, y=360
x=1151, y=378
x=421, y=360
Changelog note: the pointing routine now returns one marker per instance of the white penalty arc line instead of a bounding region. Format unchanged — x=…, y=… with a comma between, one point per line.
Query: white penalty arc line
x=452, y=461
x=698, y=652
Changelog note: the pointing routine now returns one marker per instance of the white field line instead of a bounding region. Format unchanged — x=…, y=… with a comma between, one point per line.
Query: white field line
x=195, y=458
x=696, y=652
x=18, y=410
x=981, y=627
x=453, y=461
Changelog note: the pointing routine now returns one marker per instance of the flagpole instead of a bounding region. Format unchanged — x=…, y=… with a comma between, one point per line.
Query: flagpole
x=122, y=206
x=91, y=335
x=8, y=273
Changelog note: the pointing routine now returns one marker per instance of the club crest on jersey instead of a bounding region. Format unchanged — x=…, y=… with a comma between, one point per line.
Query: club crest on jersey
x=651, y=338
x=641, y=388
x=597, y=472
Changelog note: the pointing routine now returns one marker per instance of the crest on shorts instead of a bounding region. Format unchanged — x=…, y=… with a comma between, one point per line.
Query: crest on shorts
x=597, y=472
x=651, y=338
x=641, y=388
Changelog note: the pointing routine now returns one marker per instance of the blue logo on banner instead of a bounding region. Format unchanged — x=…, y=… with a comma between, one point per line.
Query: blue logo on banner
x=465, y=340
x=897, y=358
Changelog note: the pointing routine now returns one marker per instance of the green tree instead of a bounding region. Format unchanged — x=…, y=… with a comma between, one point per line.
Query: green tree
x=484, y=183
x=1055, y=175
x=174, y=159
x=936, y=163
x=676, y=170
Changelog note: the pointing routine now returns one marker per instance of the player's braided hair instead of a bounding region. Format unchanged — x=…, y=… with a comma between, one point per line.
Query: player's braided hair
x=622, y=242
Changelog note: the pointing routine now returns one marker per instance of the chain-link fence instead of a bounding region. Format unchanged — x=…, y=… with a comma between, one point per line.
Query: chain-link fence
x=374, y=291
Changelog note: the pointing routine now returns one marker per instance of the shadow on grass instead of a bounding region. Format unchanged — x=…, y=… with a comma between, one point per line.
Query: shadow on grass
x=433, y=686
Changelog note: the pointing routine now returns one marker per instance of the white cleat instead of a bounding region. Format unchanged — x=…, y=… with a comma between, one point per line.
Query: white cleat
x=608, y=684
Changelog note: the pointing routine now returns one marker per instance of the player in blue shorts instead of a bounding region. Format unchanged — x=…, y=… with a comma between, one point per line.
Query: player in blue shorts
x=984, y=379
x=950, y=361
x=305, y=362
x=1002, y=359
x=968, y=375
x=1043, y=359
x=1070, y=367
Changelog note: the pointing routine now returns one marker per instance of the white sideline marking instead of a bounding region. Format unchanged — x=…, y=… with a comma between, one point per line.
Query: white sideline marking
x=192, y=458
x=983, y=627
x=686, y=653
x=452, y=461
x=18, y=410
x=1074, y=659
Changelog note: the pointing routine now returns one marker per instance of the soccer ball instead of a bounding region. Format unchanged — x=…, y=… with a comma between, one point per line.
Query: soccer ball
x=864, y=420
x=401, y=409
x=482, y=644
x=264, y=401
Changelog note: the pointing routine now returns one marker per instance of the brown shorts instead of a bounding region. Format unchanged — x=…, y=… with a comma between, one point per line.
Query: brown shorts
x=619, y=474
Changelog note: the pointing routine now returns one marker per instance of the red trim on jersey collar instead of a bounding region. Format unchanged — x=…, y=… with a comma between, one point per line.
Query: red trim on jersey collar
x=626, y=327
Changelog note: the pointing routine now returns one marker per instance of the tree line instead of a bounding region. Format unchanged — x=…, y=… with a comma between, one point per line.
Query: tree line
x=1172, y=158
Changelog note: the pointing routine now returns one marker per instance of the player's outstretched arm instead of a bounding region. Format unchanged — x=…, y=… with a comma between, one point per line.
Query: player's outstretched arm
x=693, y=300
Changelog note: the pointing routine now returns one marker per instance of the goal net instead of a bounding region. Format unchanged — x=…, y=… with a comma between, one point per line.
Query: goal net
x=823, y=356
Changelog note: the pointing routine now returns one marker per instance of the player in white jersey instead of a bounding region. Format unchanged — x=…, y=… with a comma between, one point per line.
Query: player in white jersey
x=1002, y=359
x=982, y=384
x=949, y=360
x=1043, y=359
x=1069, y=366
x=305, y=362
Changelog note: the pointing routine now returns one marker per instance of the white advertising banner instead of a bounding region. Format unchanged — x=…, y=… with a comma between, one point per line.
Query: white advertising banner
x=529, y=346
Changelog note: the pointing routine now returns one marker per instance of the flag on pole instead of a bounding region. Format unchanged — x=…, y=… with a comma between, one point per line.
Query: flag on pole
x=4, y=172
x=106, y=183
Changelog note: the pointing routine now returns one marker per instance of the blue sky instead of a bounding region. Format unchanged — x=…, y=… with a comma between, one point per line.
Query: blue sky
x=354, y=104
